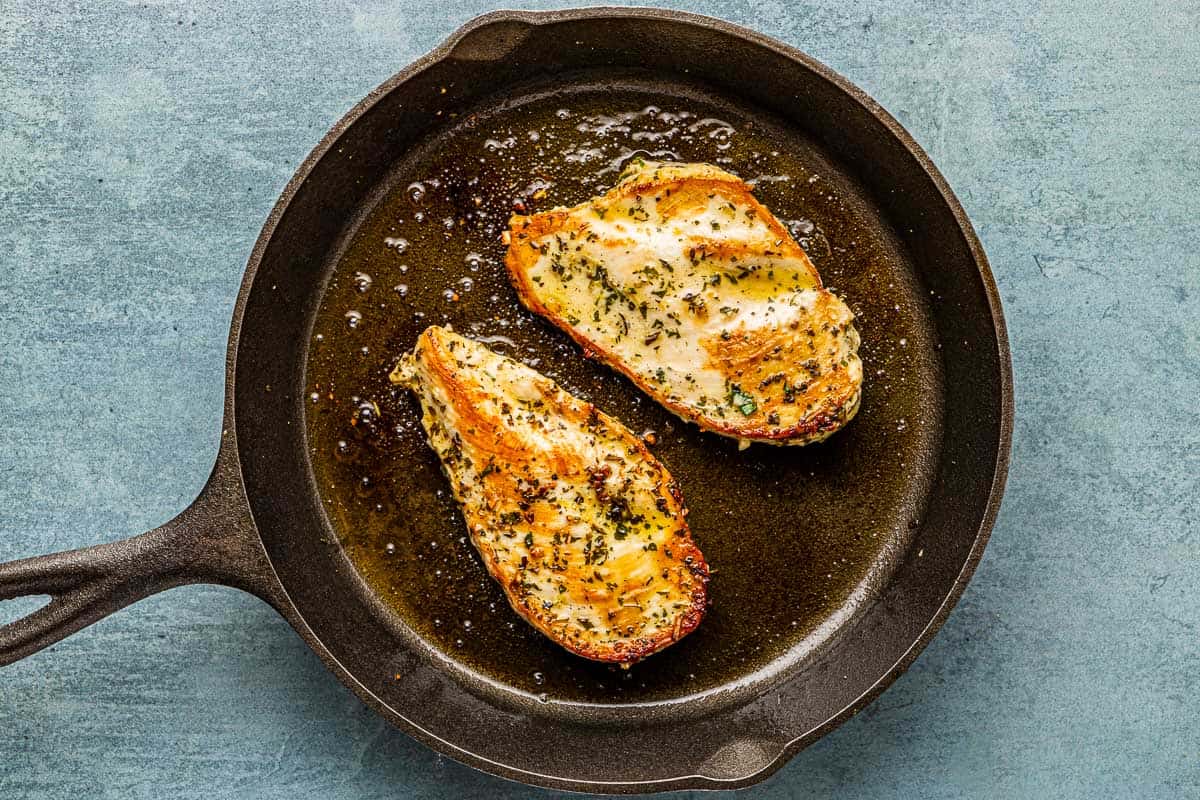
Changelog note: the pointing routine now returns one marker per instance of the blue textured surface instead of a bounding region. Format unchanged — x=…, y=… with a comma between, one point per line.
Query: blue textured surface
x=141, y=147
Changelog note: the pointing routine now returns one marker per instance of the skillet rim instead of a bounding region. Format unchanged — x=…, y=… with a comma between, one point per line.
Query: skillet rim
x=1005, y=423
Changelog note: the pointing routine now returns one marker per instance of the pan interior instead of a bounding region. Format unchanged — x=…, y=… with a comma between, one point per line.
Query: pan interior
x=798, y=538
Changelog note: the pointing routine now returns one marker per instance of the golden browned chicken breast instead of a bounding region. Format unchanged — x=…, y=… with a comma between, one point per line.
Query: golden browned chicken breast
x=574, y=517
x=680, y=279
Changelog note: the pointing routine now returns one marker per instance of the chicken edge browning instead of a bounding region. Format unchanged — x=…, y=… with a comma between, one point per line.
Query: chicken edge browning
x=584, y=529
x=680, y=279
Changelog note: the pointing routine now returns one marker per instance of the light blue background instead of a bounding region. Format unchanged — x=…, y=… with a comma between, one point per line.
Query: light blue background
x=141, y=147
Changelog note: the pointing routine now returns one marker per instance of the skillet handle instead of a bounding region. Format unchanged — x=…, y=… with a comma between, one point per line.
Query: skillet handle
x=212, y=541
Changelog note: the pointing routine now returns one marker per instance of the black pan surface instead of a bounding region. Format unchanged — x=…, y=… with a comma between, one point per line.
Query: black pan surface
x=835, y=564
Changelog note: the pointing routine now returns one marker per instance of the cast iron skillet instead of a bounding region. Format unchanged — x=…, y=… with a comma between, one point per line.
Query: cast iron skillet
x=262, y=524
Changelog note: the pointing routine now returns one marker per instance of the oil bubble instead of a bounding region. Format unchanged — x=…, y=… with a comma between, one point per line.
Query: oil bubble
x=353, y=318
x=366, y=414
x=799, y=227
x=495, y=145
x=362, y=282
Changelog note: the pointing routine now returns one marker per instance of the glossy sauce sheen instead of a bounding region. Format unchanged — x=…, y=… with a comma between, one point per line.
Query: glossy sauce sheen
x=796, y=537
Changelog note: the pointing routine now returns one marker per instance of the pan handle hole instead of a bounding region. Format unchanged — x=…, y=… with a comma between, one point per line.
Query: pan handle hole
x=21, y=607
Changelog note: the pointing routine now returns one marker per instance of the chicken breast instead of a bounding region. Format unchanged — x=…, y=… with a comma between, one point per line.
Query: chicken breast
x=580, y=524
x=680, y=279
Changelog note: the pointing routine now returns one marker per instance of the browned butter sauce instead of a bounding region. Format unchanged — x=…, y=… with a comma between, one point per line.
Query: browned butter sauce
x=797, y=537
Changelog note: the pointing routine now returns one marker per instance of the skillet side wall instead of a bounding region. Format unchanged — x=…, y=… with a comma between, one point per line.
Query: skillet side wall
x=728, y=748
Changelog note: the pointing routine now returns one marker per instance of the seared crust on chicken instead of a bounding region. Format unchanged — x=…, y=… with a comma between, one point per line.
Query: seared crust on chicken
x=584, y=529
x=680, y=279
